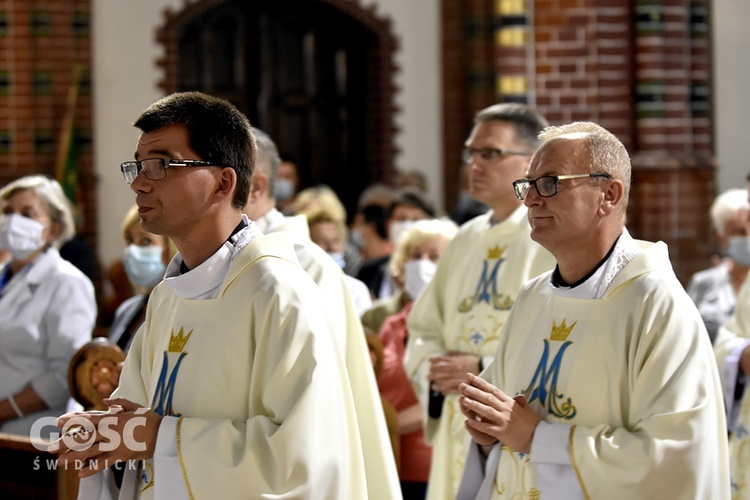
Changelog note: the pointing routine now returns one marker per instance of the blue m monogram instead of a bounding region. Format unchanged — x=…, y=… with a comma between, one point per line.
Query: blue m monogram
x=543, y=385
x=162, y=403
x=486, y=289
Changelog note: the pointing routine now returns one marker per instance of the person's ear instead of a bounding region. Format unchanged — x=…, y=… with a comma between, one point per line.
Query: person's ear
x=612, y=198
x=258, y=187
x=227, y=182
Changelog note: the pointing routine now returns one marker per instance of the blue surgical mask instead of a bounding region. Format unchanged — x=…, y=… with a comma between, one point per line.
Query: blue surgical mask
x=339, y=258
x=143, y=264
x=355, y=236
x=283, y=189
x=738, y=249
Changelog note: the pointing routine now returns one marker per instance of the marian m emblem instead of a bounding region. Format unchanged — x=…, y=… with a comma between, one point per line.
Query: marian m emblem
x=543, y=386
x=173, y=356
x=486, y=289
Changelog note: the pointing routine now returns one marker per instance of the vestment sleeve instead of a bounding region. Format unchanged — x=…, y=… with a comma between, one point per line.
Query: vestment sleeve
x=425, y=325
x=671, y=420
x=287, y=446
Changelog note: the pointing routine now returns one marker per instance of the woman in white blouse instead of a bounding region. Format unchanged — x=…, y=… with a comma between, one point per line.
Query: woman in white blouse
x=47, y=306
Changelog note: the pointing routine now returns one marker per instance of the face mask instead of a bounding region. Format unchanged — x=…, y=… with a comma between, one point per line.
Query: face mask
x=417, y=275
x=398, y=228
x=20, y=235
x=738, y=249
x=339, y=258
x=283, y=189
x=355, y=236
x=143, y=265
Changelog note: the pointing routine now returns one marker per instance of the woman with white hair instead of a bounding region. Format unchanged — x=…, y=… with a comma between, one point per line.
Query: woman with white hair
x=47, y=306
x=714, y=290
x=412, y=267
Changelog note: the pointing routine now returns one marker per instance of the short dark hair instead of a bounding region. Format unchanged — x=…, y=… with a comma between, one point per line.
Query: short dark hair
x=217, y=131
x=411, y=198
x=375, y=215
x=526, y=121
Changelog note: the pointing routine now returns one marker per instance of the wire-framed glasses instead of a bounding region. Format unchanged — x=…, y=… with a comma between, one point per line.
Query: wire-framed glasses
x=488, y=154
x=156, y=168
x=546, y=185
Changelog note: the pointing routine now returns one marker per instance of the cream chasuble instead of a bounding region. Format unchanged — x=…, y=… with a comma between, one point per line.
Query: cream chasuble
x=629, y=382
x=252, y=384
x=463, y=309
x=380, y=465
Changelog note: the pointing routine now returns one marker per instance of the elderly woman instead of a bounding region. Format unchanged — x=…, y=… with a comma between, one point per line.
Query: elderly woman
x=412, y=266
x=47, y=306
x=714, y=290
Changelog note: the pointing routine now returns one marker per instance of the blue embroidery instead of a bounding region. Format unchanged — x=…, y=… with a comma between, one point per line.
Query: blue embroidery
x=544, y=384
x=486, y=290
x=165, y=389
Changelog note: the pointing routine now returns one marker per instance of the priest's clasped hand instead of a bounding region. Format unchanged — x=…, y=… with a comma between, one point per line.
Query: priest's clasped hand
x=448, y=370
x=494, y=416
x=94, y=440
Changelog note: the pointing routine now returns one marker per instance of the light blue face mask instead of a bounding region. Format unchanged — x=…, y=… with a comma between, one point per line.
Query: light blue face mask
x=143, y=264
x=356, y=238
x=738, y=249
x=283, y=189
x=339, y=258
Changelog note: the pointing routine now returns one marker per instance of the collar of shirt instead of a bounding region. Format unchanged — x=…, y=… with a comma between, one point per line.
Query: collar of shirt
x=204, y=282
x=269, y=221
x=597, y=283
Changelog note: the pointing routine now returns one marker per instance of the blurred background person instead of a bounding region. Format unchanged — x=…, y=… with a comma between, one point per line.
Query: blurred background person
x=346, y=329
x=377, y=194
x=145, y=260
x=322, y=198
x=47, y=305
x=287, y=184
x=466, y=207
x=411, y=179
x=330, y=235
x=714, y=290
x=407, y=207
x=412, y=267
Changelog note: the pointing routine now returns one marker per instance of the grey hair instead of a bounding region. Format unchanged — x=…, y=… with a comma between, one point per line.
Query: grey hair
x=726, y=205
x=50, y=191
x=267, y=158
x=606, y=153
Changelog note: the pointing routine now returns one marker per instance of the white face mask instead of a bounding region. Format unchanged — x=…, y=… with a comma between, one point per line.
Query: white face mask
x=21, y=235
x=143, y=264
x=738, y=249
x=398, y=228
x=417, y=275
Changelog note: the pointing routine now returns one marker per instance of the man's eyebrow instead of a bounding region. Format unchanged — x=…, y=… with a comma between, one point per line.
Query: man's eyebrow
x=157, y=151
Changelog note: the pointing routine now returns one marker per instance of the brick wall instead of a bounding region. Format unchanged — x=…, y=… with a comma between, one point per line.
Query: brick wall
x=640, y=69
x=41, y=42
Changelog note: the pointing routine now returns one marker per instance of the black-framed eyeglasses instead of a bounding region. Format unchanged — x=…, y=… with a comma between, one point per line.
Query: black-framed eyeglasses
x=156, y=168
x=546, y=185
x=489, y=154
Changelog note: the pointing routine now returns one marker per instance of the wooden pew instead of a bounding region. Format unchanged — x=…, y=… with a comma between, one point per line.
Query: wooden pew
x=28, y=473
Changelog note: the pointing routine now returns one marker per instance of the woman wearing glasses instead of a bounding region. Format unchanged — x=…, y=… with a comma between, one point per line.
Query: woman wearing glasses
x=47, y=306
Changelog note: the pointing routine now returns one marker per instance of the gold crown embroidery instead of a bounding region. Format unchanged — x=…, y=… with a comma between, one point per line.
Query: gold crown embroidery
x=496, y=252
x=177, y=343
x=560, y=333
